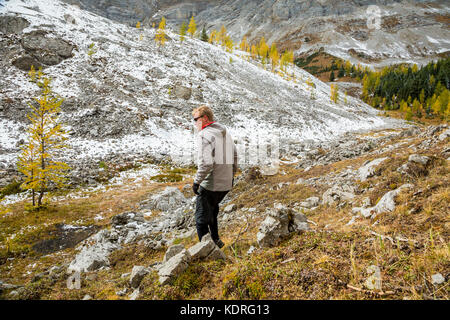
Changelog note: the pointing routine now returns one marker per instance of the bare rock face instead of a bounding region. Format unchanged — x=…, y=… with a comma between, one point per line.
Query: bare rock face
x=12, y=24
x=41, y=49
x=182, y=92
x=25, y=62
x=47, y=48
x=304, y=24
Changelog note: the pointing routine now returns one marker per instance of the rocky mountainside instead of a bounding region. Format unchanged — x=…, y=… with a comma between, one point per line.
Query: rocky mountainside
x=358, y=208
x=363, y=218
x=370, y=32
x=132, y=100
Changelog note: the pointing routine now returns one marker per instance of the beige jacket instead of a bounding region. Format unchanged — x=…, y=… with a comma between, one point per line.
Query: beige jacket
x=217, y=158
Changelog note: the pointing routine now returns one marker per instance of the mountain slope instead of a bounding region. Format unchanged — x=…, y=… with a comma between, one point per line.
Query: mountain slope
x=406, y=31
x=133, y=100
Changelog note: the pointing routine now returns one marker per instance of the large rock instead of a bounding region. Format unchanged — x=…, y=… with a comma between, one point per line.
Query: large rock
x=37, y=41
x=298, y=222
x=137, y=274
x=202, y=249
x=182, y=92
x=386, y=203
x=172, y=251
x=216, y=254
x=337, y=194
x=230, y=208
x=174, y=266
x=43, y=49
x=418, y=159
x=279, y=223
x=368, y=170
x=310, y=202
x=444, y=135
x=12, y=24
x=168, y=200
x=25, y=62
x=95, y=256
x=126, y=218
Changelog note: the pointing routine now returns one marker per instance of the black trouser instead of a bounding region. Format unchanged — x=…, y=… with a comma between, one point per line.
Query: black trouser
x=206, y=211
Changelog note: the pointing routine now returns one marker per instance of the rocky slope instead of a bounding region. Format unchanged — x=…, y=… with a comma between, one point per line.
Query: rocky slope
x=407, y=31
x=362, y=219
x=131, y=100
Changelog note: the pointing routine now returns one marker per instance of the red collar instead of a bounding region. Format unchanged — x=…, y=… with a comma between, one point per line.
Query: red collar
x=205, y=125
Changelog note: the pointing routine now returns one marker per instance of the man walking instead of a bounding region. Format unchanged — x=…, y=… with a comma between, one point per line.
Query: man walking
x=217, y=164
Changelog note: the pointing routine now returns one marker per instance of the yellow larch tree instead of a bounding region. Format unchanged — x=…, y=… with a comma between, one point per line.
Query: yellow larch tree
x=192, y=27
x=274, y=56
x=160, y=36
x=221, y=36
x=212, y=36
x=244, y=44
x=228, y=43
x=254, y=51
x=46, y=137
x=334, y=93
x=263, y=50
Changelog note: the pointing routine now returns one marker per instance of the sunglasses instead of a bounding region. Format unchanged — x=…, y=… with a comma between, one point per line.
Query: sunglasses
x=195, y=119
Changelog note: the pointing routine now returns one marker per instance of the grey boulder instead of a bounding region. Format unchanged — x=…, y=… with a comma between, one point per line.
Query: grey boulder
x=279, y=223
x=172, y=251
x=174, y=266
x=368, y=170
x=137, y=274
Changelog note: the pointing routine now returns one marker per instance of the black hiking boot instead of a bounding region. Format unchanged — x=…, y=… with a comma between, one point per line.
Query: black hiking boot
x=219, y=243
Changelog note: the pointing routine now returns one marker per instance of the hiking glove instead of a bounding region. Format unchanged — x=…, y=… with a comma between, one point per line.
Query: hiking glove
x=195, y=187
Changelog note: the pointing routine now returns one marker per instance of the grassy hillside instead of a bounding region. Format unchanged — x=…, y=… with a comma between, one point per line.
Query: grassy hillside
x=409, y=244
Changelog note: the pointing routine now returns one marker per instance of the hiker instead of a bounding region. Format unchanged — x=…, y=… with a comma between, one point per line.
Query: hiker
x=217, y=164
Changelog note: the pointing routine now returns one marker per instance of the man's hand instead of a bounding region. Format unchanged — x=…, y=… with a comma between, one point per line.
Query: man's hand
x=195, y=187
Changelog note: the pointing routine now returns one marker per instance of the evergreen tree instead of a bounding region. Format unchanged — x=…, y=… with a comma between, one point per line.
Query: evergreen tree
x=332, y=76
x=341, y=72
x=228, y=43
x=204, y=37
x=32, y=74
x=222, y=35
